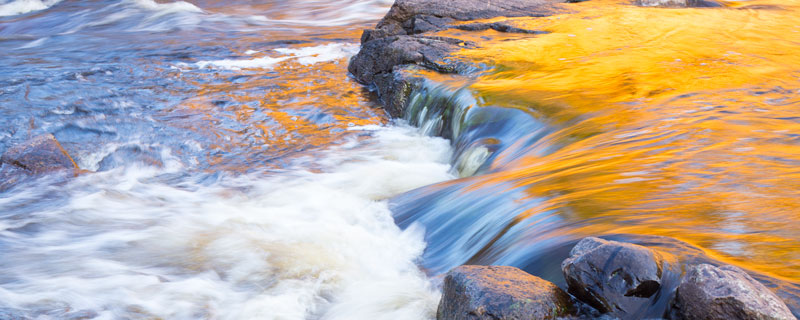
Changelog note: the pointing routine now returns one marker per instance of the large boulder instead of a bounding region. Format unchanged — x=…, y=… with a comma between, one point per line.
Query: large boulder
x=617, y=278
x=386, y=62
x=710, y=293
x=418, y=16
x=399, y=43
x=39, y=155
x=498, y=292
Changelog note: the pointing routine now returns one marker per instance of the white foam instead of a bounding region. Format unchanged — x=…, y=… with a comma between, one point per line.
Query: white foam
x=167, y=7
x=336, y=13
x=298, y=245
x=316, y=54
x=234, y=64
x=304, y=56
x=16, y=7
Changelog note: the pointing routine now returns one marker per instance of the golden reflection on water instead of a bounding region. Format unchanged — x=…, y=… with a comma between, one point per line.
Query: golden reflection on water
x=675, y=122
x=264, y=117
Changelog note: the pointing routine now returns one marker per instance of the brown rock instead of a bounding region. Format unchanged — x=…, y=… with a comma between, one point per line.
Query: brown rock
x=727, y=292
x=499, y=292
x=39, y=155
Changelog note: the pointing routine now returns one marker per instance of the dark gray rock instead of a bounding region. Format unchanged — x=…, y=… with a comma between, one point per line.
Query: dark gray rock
x=395, y=88
x=497, y=26
x=383, y=55
x=414, y=16
x=398, y=42
x=711, y=293
x=676, y=3
x=385, y=63
x=39, y=155
x=617, y=278
x=495, y=292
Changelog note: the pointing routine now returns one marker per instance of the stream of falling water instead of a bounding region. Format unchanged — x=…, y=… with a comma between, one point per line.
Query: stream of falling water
x=232, y=170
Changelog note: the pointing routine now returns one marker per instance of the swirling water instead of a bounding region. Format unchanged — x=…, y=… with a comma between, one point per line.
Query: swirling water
x=234, y=171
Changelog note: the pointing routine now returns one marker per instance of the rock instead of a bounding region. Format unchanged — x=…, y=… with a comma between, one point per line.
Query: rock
x=397, y=42
x=676, y=3
x=498, y=292
x=395, y=88
x=727, y=292
x=385, y=63
x=497, y=26
x=415, y=16
x=614, y=277
x=383, y=55
x=9, y=176
x=39, y=155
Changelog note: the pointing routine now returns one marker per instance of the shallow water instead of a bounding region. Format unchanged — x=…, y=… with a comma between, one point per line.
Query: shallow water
x=234, y=171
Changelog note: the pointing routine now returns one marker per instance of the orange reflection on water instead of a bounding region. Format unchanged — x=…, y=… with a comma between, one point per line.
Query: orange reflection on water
x=674, y=122
x=274, y=114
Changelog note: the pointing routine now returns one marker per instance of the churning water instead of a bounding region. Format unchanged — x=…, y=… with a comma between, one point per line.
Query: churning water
x=237, y=172
x=234, y=171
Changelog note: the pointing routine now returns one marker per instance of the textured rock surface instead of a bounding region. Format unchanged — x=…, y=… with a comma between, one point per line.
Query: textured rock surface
x=727, y=292
x=495, y=292
x=416, y=16
x=398, y=42
x=676, y=3
x=39, y=155
x=614, y=277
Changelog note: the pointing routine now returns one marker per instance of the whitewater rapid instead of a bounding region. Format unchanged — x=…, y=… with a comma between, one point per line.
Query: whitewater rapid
x=315, y=241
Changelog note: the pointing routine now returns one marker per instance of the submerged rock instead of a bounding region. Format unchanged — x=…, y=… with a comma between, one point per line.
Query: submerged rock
x=614, y=277
x=42, y=154
x=39, y=155
x=497, y=26
x=727, y=292
x=676, y=3
x=499, y=292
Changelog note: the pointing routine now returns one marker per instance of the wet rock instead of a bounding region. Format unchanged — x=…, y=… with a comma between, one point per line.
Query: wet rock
x=398, y=41
x=385, y=63
x=498, y=292
x=9, y=176
x=415, y=16
x=497, y=26
x=395, y=88
x=39, y=155
x=383, y=55
x=727, y=292
x=614, y=277
x=676, y=3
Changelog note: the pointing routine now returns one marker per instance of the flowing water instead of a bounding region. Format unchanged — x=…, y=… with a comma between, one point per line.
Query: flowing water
x=232, y=170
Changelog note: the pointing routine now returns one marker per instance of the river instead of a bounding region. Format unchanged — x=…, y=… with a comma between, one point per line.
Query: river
x=233, y=169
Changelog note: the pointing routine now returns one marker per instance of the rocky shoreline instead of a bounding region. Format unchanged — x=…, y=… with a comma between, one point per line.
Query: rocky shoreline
x=605, y=279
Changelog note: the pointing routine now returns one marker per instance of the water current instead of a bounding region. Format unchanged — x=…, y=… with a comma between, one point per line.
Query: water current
x=233, y=170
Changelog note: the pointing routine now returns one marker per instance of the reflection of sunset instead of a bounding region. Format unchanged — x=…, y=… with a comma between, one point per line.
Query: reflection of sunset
x=277, y=113
x=679, y=123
